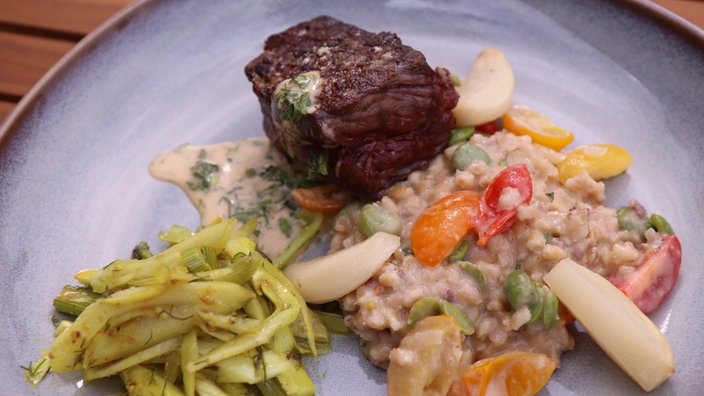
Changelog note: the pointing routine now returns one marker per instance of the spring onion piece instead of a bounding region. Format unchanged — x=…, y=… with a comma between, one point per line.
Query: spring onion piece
x=195, y=260
x=34, y=372
x=334, y=322
x=175, y=234
x=72, y=300
x=299, y=243
x=143, y=381
x=141, y=251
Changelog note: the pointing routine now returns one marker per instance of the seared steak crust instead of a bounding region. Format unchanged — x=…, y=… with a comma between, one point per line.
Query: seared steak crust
x=380, y=113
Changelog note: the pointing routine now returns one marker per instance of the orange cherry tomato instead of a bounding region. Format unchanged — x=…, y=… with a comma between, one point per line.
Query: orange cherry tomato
x=442, y=225
x=492, y=219
x=324, y=199
x=512, y=373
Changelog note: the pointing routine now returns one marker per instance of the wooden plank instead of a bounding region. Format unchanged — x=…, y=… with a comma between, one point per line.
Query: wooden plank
x=5, y=109
x=24, y=59
x=693, y=11
x=74, y=16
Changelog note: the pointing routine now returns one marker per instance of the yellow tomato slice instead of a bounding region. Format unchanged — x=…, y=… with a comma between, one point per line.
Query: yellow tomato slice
x=600, y=161
x=523, y=120
x=512, y=373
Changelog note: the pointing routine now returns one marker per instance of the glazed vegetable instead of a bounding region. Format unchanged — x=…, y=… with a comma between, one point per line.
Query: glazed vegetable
x=614, y=322
x=467, y=154
x=374, y=218
x=475, y=273
x=511, y=188
x=72, y=300
x=600, y=161
x=650, y=284
x=319, y=280
x=211, y=303
x=520, y=292
x=511, y=373
x=442, y=225
x=428, y=306
x=523, y=120
x=326, y=198
x=427, y=360
x=633, y=218
x=460, y=135
x=487, y=91
x=660, y=224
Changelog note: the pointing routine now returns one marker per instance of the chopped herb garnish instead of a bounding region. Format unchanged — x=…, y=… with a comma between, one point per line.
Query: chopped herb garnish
x=278, y=175
x=250, y=172
x=285, y=227
x=317, y=167
x=551, y=196
x=204, y=173
x=293, y=98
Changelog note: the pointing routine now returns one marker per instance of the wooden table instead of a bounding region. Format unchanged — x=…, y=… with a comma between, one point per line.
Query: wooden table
x=35, y=34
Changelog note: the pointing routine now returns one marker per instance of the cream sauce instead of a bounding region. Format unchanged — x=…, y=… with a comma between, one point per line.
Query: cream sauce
x=232, y=184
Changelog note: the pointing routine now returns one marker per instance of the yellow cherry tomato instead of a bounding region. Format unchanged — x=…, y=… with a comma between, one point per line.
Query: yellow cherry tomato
x=522, y=120
x=600, y=161
x=427, y=361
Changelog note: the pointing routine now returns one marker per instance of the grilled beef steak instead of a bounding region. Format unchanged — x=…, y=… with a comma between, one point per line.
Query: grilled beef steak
x=363, y=105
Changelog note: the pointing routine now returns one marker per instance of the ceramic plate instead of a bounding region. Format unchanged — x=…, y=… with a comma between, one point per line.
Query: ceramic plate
x=75, y=192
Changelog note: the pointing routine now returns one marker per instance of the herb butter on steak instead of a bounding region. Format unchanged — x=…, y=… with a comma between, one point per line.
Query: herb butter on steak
x=363, y=106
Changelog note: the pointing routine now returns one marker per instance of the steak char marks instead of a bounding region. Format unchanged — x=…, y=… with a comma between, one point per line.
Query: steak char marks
x=365, y=105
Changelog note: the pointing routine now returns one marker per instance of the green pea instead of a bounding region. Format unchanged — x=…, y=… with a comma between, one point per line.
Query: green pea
x=460, y=135
x=536, y=304
x=660, y=224
x=428, y=306
x=460, y=251
x=475, y=273
x=373, y=218
x=630, y=219
x=519, y=289
x=550, y=314
x=467, y=154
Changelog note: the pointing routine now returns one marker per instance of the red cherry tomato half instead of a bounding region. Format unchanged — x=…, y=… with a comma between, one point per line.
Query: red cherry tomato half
x=493, y=220
x=442, y=225
x=488, y=128
x=650, y=284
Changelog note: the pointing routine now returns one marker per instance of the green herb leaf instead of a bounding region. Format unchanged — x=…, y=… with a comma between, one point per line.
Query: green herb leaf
x=203, y=173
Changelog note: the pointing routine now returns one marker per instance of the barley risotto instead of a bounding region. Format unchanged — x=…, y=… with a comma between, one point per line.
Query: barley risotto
x=560, y=221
